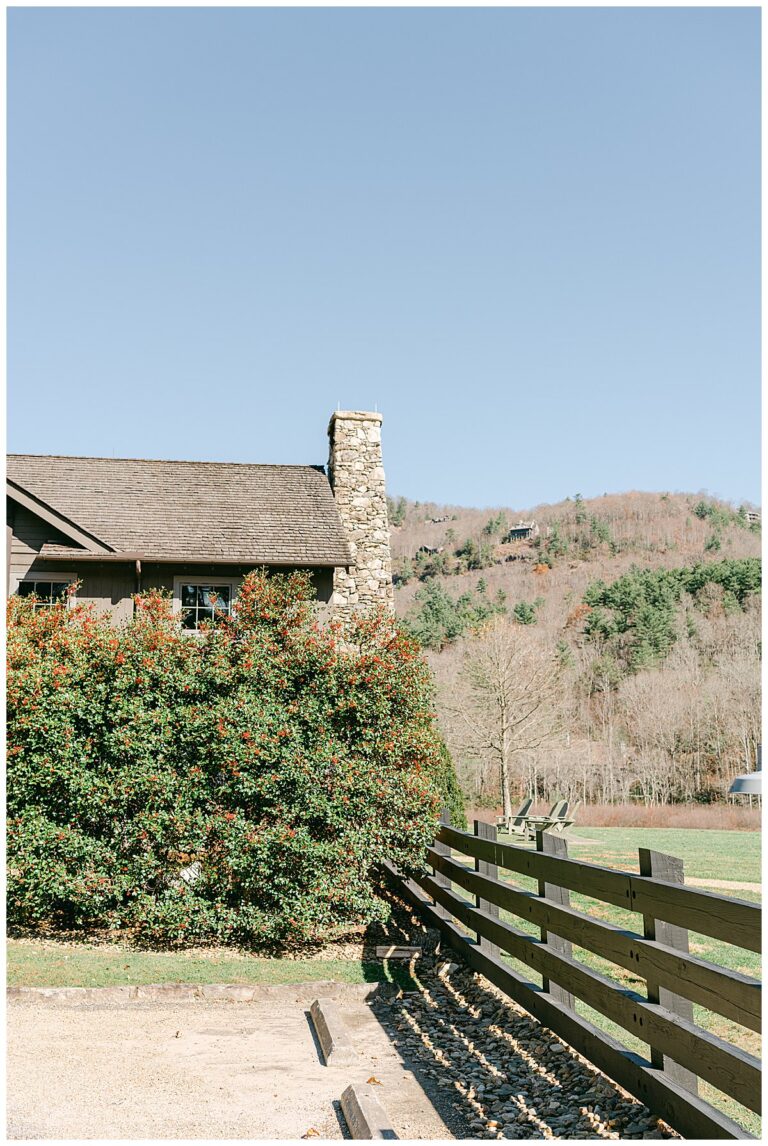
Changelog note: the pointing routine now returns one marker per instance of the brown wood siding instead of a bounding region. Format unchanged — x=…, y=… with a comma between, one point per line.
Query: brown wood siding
x=108, y=586
x=157, y=576
x=29, y=534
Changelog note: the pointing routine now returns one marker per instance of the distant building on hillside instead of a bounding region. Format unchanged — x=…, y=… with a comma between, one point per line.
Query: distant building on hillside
x=752, y=517
x=523, y=531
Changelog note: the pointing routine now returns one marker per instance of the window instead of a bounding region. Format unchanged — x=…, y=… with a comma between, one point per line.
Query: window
x=47, y=592
x=200, y=600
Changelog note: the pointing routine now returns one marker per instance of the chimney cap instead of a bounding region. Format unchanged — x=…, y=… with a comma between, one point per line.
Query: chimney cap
x=355, y=416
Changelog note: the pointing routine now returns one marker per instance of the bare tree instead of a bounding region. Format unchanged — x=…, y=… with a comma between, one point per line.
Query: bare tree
x=503, y=703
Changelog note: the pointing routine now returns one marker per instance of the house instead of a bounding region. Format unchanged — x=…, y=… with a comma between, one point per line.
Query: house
x=523, y=531
x=120, y=525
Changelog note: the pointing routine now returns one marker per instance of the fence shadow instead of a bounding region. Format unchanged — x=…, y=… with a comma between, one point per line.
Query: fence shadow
x=489, y=1070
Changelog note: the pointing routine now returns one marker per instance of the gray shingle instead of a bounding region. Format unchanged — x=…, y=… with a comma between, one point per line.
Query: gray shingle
x=202, y=511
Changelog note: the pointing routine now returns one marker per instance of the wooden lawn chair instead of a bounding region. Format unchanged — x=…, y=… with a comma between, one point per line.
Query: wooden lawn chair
x=515, y=824
x=563, y=826
x=555, y=815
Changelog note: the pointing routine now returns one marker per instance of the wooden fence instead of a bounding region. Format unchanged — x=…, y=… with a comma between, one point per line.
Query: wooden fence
x=681, y=1052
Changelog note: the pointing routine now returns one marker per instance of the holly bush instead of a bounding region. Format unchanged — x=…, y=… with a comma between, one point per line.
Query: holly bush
x=240, y=785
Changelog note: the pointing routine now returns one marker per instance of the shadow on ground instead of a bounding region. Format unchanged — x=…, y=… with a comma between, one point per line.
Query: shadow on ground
x=490, y=1069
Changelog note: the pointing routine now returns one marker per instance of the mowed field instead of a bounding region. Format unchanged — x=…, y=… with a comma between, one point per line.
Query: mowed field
x=712, y=858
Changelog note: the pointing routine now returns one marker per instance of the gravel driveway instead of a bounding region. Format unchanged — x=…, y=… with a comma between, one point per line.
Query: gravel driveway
x=196, y=1069
x=453, y=1059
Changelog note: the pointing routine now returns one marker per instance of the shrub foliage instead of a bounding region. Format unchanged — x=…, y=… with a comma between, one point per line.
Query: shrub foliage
x=240, y=786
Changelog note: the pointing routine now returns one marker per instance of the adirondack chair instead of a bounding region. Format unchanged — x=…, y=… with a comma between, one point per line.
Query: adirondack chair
x=555, y=816
x=516, y=822
x=564, y=825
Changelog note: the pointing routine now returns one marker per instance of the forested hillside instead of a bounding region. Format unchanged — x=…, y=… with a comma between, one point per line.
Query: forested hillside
x=636, y=617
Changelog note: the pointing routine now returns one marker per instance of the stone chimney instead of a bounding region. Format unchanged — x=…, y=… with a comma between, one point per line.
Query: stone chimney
x=357, y=480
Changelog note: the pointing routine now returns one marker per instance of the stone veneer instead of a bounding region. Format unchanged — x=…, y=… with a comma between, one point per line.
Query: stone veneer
x=356, y=475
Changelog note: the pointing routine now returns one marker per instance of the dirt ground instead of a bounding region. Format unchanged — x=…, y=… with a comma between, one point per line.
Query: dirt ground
x=198, y=1069
x=452, y=1059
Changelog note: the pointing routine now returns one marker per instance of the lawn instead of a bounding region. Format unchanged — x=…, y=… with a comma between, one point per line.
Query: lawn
x=712, y=854
x=47, y=963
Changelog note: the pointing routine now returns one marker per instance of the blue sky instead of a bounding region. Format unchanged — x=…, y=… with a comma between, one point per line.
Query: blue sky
x=529, y=236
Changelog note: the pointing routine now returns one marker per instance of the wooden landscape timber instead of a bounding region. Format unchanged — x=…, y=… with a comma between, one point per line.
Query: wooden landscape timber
x=680, y=1050
x=396, y=952
x=332, y=1034
x=365, y=1115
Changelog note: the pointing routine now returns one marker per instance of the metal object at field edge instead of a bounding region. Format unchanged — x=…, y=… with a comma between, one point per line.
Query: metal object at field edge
x=750, y=784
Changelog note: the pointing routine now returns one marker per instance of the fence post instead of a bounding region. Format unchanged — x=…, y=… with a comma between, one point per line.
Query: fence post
x=671, y=869
x=553, y=845
x=443, y=850
x=486, y=832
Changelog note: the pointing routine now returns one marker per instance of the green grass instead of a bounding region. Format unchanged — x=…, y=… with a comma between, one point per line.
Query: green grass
x=50, y=964
x=712, y=854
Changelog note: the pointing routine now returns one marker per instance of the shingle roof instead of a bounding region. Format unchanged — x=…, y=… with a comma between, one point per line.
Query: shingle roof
x=202, y=511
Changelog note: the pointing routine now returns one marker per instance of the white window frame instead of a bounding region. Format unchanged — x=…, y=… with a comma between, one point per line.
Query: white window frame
x=233, y=582
x=46, y=576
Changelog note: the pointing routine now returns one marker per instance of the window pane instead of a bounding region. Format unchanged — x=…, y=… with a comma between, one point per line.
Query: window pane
x=203, y=602
x=58, y=589
x=205, y=594
x=26, y=588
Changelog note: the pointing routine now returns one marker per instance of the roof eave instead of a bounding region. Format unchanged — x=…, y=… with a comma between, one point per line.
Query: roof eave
x=200, y=559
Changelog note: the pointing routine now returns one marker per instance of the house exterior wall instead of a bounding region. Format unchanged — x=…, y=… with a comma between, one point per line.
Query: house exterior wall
x=110, y=584
x=162, y=576
x=28, y=535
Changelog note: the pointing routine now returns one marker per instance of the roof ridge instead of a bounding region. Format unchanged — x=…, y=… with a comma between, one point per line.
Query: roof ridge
x=175, y=461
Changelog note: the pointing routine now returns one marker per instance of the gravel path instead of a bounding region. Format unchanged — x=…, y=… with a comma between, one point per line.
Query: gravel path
x=724, y=884
x=102, y=1067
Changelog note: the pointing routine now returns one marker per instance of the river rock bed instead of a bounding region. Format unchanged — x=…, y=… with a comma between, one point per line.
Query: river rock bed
x=498, y=1071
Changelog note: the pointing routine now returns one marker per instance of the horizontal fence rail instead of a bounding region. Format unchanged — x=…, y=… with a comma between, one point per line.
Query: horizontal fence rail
x=680, y=1050
x=726, y=992
x=732, y=920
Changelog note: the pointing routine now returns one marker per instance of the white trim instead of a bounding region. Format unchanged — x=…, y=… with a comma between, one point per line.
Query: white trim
x=233, y=582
